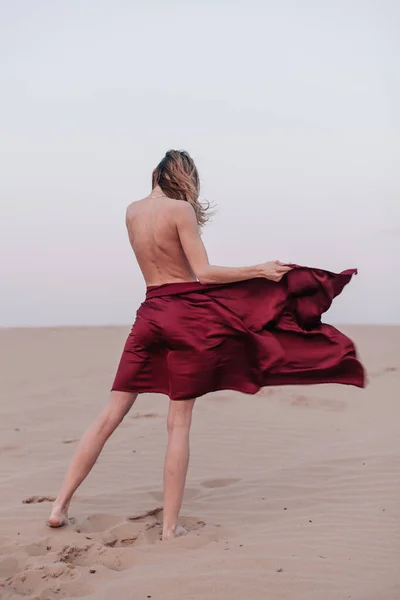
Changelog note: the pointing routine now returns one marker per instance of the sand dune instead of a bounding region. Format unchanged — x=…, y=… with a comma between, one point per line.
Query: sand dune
x=293, y=494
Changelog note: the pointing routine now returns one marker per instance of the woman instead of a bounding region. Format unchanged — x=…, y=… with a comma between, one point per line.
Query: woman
x=204, y=327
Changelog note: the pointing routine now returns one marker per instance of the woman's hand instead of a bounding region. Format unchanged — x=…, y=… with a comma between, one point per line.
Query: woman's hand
x=274, y=270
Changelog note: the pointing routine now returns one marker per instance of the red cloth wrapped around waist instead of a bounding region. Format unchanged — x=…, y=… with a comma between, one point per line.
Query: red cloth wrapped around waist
x=190, y=339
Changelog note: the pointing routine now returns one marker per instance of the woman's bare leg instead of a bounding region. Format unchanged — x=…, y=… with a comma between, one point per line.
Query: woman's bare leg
x=176, y=464
x=88, y=452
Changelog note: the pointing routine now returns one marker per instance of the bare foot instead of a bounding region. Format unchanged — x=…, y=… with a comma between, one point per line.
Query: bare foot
x=177, y=531
x=59, y=516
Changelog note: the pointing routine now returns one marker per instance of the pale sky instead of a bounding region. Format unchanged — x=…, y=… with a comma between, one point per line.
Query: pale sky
x=290, y=108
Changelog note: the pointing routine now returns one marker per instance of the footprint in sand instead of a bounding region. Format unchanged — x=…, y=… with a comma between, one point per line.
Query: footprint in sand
x=38, y=499
x=123, y=535
x=40, y=548
x=99, y=552
x=313, y=402
x=192, y=523
x=219, y=483
x=95, y=523
x=50, y=568
x=127, y=424
x=145, y=416
x=116, y=532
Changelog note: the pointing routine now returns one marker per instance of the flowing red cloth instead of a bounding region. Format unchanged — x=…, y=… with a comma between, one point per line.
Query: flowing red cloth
x=190, y=339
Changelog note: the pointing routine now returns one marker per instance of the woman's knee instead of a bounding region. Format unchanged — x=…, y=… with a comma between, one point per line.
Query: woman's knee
x=180, y=415
x=108, y=422
x=117, y=408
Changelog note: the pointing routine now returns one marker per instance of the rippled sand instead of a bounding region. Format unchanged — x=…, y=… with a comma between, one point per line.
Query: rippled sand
x=293, y=494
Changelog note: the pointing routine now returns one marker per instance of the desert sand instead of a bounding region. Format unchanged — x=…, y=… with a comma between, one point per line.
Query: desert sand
x=292, y=494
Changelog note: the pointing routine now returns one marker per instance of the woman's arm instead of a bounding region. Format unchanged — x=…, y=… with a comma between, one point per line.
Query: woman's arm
x=196, y=254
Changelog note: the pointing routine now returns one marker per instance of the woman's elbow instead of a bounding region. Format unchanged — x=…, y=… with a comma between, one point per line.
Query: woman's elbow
x=204, y=278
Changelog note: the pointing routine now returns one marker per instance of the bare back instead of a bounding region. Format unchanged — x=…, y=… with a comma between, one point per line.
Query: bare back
x=165, y=238
x=154, y=237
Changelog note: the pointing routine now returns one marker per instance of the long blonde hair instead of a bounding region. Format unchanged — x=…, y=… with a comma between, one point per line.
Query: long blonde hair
x=178, y=178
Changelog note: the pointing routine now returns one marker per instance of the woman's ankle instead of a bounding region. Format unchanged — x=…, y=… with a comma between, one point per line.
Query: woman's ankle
x=61, y=504
x=169, y=528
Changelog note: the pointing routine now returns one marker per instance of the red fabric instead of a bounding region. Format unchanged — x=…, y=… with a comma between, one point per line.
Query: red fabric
x=189, y=339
